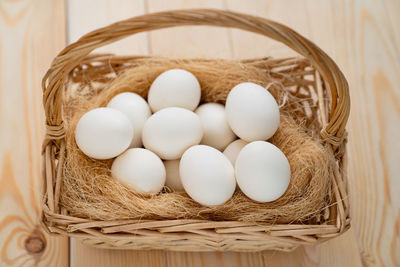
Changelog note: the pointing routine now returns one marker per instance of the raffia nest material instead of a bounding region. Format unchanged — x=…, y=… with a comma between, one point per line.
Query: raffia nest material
x=89, y=191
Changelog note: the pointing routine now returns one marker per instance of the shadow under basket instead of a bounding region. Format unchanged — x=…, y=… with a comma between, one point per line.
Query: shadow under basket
x=315, y=78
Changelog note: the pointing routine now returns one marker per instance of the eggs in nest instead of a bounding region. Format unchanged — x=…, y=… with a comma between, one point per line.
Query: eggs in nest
x=203, y=150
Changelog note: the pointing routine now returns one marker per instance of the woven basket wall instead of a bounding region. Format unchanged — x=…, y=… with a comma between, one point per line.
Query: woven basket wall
x=332, y=110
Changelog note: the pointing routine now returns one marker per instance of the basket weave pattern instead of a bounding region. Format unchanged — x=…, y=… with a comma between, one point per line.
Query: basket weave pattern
x=330, y=115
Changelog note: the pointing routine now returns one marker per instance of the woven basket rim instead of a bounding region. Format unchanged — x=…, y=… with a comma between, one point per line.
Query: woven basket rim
x=104, y=233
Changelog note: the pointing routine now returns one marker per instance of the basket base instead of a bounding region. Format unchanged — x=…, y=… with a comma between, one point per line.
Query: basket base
x=191, y=245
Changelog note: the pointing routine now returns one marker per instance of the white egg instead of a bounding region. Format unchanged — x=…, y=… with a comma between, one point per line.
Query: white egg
x=141, y=170
x=252, y=112
x=217, y=132
x=207, y=175
x=262, y=171
x=173, y=180
x=103, y=133
x=170, y=131
x=233, y=149
x=174, y=88
x=136, y=109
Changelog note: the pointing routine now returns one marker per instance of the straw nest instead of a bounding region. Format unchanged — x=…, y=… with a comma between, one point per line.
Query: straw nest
x=89, y=191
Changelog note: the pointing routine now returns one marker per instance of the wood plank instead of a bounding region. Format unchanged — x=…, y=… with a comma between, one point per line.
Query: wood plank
x=88, y=256
x=318, y=27
x=221, y=259
x=261, y=46
x=391, y=11
x=197, y=41
x=330, y=254
x=194, y=41
x=106, y=12
x=79, y=23
x=369, y=56
x=374, y=129
x=362, y=37
x=31, y=34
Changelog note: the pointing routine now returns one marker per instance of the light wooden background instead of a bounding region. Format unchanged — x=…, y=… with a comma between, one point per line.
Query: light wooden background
x=362, y=36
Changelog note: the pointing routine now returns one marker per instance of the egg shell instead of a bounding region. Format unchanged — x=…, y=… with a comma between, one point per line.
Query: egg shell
x=174, y=88
x=170, y=131
x=141, y=170
x=217, y=132
x=103, y=133
x=233, y=149
x=262, y=171
x=252, y=112
x=173, y=179
x=207, y=175
x=136, y=109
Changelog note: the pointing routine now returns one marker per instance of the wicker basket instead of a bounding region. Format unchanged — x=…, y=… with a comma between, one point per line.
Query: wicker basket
x=196, y=235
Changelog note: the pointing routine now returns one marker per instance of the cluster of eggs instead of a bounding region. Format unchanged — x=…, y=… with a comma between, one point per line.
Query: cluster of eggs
x=204, y=150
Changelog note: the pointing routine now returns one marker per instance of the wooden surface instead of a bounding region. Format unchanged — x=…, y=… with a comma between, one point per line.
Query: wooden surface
x=362, y=36
x=31, y=33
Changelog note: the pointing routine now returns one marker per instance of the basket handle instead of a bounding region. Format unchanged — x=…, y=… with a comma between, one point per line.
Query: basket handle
x=54, y=80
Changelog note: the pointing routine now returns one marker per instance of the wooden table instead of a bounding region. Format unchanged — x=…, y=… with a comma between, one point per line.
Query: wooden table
x=362, y=36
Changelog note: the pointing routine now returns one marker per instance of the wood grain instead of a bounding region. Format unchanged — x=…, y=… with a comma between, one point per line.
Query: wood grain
x=79, y=23
x=374, y=131
x=105, y=13
x=31, y=33
x=194, y=41
x=222, y=259
x=87, y=256
x=251, y=45
x=336, y=252
x=309, y=23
